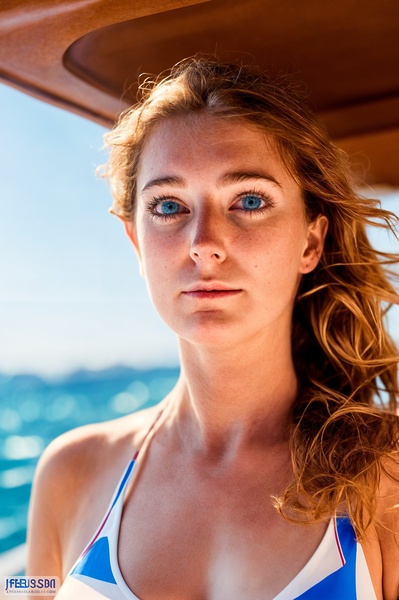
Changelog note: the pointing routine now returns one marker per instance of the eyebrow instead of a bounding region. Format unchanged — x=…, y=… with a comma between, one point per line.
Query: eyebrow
x=238, y=176
x=230, y=177
x=162, y=181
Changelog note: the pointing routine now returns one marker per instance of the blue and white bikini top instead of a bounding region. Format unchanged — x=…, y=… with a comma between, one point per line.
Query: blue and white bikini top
x=336, y=571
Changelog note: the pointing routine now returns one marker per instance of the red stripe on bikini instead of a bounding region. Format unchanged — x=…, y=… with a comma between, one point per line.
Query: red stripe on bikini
x=97, y=534
x=341, y=554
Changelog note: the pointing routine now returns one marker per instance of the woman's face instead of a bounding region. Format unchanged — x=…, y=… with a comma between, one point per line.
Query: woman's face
x=221, y=231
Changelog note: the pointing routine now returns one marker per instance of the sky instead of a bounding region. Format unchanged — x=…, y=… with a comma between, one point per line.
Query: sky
x=71, y=295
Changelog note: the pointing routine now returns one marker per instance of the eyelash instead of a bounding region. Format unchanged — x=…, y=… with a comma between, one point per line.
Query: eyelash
x=154, y=202
x=268, y=202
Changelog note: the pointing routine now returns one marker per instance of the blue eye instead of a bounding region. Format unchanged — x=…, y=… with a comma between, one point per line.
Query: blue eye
x=251, y=202
x=168, y=207
x=165, y=208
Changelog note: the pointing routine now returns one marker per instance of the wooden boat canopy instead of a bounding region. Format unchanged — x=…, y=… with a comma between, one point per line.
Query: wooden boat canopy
x=85, y=56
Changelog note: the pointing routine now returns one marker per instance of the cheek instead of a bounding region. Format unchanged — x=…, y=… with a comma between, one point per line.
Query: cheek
x=158, y=257
x=280, y=248
x=276, y=262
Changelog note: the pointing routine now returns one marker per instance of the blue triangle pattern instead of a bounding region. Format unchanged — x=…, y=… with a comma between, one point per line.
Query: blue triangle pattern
x=96, y=563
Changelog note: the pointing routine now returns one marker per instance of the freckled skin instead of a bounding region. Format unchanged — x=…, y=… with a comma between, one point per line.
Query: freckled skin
x=262, y=254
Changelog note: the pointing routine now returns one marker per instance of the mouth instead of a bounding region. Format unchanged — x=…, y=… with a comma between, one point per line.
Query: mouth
x=211, y=291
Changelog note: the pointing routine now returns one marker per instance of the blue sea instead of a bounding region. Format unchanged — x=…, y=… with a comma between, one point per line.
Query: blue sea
x=34, y=411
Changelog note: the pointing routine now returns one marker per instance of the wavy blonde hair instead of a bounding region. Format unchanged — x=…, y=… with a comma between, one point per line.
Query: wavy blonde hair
x=345, y=424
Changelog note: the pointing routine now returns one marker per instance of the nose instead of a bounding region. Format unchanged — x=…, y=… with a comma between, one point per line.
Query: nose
x=208, y=239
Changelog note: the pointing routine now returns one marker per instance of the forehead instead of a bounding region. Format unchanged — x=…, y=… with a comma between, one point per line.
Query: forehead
x=195, y=142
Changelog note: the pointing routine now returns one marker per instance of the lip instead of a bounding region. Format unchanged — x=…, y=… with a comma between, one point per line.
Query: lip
x=210, y=290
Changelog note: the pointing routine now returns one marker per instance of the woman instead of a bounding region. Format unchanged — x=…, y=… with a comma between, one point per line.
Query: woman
x=271, y=469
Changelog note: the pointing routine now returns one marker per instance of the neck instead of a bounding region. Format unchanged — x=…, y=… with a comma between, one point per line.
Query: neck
x=227, y=398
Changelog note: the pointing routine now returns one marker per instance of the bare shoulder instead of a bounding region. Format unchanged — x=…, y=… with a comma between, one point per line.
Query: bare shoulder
x=77, y=467
x=81, y=445
x=83, y=452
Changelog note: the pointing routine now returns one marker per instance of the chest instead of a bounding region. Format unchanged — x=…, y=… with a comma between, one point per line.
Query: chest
x=193, y=538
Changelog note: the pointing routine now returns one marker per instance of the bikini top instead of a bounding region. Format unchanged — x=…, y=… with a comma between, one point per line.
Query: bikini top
x=336, y=571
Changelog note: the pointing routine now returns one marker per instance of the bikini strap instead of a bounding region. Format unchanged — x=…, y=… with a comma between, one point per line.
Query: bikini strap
x=136, y=454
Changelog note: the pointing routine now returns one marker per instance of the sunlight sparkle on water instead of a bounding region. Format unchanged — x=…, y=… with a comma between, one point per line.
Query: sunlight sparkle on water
x=18, y=447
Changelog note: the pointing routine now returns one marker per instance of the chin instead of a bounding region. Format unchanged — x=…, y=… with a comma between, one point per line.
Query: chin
x=213, y=332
